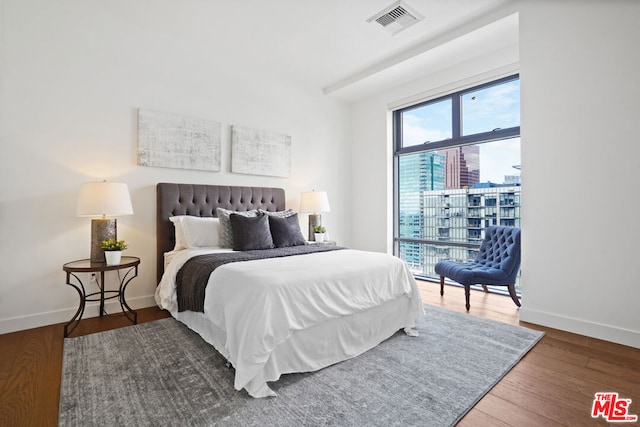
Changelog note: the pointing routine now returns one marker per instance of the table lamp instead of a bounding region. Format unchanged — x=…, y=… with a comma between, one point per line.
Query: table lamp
x=314, y=203
x=103, y=200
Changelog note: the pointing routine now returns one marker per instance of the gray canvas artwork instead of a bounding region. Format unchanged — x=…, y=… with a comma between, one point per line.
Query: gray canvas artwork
x=175, y=141
x=260, y=152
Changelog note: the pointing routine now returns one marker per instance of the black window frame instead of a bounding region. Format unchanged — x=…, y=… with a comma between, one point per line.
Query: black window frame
x=457, y=140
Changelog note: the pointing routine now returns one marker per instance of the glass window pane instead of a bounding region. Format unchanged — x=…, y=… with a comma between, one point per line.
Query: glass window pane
x=453, y=194
x=495, y=107
x=500, y=161
x=427, y=123
x=418, y=173
x=449, y=196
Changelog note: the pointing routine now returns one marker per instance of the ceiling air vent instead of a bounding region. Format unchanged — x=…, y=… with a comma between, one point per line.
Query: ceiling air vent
x=397, y=17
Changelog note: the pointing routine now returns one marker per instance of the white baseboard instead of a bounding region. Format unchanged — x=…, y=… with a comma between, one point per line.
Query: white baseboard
x=62, y=316
x=577, y=326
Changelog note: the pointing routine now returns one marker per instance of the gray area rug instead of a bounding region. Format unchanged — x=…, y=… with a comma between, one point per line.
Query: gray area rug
x=162, y=374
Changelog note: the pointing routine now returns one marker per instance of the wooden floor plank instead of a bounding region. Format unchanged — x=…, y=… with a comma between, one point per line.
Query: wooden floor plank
x=557, y=393
x=477, y=417
x=525, y=398
x=34, y=379
x=613, y=349
x=616, y=369
x=554, y=384
x=592, y=380
x=513, y=414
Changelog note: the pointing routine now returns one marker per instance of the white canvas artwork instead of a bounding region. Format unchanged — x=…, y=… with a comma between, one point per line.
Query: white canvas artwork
x=173, y=141
x=260, y=152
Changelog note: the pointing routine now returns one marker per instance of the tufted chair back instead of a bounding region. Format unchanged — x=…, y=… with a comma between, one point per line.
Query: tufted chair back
x=500, y=249
x=496, y=264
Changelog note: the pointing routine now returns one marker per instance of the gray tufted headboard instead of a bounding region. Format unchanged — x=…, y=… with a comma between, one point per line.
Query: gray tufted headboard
x=202, y=200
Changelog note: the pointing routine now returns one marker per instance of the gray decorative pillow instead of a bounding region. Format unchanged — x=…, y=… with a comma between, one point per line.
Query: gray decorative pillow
x=285, y=231
x=226, y=234
x=279, y=214
x=250, y=233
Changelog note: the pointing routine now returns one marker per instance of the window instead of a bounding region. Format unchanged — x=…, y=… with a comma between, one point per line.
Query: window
x=426, y=123
x=457, y=171
x=491, y=108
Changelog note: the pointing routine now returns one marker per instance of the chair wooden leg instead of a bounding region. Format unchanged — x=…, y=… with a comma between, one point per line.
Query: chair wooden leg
x=441, y=285
x=512, y=294
x=485, y=288
x=467, y=292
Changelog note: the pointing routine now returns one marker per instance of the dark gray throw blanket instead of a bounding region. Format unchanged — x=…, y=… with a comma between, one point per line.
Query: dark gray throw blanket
x=193, y=277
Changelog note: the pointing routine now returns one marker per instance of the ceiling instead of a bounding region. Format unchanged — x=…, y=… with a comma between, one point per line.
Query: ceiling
x=474, y=39
x=330, y=44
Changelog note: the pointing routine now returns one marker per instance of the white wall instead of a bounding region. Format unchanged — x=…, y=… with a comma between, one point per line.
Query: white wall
x=73, y=75
x=580, y=164
x=371, y=150
x=580, y=157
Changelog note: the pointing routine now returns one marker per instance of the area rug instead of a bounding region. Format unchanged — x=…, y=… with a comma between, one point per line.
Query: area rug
x=162, y=374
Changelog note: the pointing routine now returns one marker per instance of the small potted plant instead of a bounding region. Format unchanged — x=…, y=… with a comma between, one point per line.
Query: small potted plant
x=113, y=250
x=318, y=232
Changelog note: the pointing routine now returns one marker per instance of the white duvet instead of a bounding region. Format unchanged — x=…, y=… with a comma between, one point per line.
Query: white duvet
x=260, y=303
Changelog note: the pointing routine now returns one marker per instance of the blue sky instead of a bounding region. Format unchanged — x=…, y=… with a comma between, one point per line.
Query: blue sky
x=482, y=110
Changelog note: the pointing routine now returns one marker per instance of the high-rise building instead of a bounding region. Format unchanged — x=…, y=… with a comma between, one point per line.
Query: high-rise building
x=463, y=166
x=419, y=173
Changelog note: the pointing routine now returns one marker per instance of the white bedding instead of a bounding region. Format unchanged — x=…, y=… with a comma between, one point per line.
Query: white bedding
x=259, y=307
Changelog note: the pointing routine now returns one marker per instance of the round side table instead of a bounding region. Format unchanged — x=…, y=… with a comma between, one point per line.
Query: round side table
x=130, y=263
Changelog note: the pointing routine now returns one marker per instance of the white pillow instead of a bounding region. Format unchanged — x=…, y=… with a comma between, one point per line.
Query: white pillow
x=177, y=224
x=196, y=232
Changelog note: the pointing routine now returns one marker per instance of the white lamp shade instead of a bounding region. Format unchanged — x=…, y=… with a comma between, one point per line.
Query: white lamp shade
x=314, y=202
x=104, y=199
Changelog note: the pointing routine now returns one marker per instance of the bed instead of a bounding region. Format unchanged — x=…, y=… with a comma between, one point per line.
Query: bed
x=290, y=313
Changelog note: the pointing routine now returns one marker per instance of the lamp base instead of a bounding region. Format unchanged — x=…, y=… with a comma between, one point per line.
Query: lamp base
x=101, y=229
x=314, y=220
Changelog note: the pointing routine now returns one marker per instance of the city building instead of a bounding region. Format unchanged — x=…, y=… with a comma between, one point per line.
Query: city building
x=463, y=166
x=419, y=173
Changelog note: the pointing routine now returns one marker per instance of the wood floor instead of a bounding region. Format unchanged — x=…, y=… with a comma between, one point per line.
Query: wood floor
x=554, y=385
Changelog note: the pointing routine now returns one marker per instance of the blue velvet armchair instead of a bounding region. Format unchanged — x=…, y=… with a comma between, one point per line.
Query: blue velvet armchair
x=497, y=263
